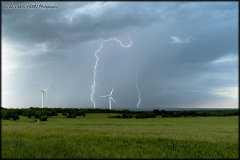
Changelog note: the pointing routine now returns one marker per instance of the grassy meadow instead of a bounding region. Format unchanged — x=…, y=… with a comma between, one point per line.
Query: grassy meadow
x=96, y=136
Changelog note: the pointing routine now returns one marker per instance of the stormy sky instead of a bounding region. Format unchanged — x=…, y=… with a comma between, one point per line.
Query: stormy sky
x=183, y=54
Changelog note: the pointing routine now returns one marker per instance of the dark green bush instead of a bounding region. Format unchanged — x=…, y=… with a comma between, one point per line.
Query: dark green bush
x=152, y=115
x=70, y=112
x=141, y=115
x=7, y=115
x=2, y=113
x=179, y=114
x=48, y=113
x=15, y=116
x=37, y=114
x=170, y=113
x=30, y=113
x=64, y=113
x=175, y=114
x=164, y=115
x=192, y=113
x=184, y=113
x=130, y=115
x=19, y=111
x=125, y=115
x=71, y=116
x=138, y=115
x=55, y=114
x=25, y=113
x=118, y=116
x=78, y=113
x=43, y=118
x=199, y=114
x=157, y=112
x=81, y=113
x=205, y=114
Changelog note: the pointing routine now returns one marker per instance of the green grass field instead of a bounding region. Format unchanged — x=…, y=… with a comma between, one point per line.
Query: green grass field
x=96, y=136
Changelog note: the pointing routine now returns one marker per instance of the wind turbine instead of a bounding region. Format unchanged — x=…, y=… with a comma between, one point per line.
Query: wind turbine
x=110, y=98
x=42, y=92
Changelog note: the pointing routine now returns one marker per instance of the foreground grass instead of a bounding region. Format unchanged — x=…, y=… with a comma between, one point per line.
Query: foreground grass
x=100, y=146
x=204, y=137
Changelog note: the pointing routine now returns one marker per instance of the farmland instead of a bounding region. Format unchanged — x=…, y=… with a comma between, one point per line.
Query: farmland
x=96, y=136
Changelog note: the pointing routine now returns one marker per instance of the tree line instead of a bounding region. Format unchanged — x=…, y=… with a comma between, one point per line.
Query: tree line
x=43, y=113
x=201, y=113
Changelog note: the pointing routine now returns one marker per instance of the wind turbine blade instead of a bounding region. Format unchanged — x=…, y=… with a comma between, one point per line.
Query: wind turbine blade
x=37, y=87
x=113, y=100
x=111, y=92
x=103, y=96
x=47, y=88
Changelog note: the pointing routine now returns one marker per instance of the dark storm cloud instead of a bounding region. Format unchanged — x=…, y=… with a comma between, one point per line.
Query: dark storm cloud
x=65, y=27
x=180, y=51
x=179, y=63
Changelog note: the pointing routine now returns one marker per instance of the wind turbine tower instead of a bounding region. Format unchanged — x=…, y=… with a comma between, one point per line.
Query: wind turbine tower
x=110, y=98
x=42, y=93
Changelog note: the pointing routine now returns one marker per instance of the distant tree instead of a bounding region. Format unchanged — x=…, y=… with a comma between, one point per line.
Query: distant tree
x=192, y=113
x=163, y=112
x=164, y=115
x=78, y=113
x=7, y=114
x=15, y=116
x=125, y=111
x=84, y=114
x=152, y=115
x=175, y=114
x=199, y=114
x=179, y=113
x=43, y=118
x=30, y=113
x=138, y=115
x=118, y=116
x=224, y=114
x=125, y=115
x=130, y=115
x=2, y=113
x=71, y=116
x=170, y=113
x=19, y=111
x=157, y=112
x=142, y=115
x=38, y=114
x=205, y=114
x=146, y=115
x=184, y=113
x=70, y=112
x=48, y=113
x=25, y=113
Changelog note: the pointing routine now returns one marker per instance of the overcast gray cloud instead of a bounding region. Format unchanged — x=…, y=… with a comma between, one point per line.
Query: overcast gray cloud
x=185, y=54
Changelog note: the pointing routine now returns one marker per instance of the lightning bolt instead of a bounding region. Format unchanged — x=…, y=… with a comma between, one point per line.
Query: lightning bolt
x=138, y=93
x=94, y=79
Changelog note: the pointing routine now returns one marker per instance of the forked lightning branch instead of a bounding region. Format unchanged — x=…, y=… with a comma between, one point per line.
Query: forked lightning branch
x=95, y=69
